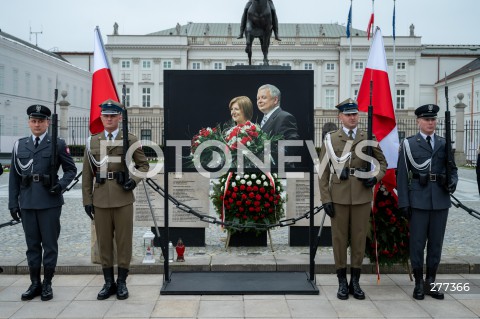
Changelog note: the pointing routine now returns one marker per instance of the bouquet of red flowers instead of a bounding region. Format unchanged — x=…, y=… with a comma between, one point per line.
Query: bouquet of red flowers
x=390, y=229
x=207, y=154
x=248, y=199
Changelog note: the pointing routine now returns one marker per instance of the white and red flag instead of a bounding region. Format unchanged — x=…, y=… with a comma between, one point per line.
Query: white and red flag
x=384, y=123
x=103, y=87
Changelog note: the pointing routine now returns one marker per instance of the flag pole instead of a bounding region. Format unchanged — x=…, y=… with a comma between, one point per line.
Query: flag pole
x=350, y=38
x=394, y=62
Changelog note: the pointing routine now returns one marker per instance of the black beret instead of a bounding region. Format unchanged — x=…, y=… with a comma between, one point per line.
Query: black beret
x=348, y=106
x=427, y=110
x=111, y=107
x=38, y=111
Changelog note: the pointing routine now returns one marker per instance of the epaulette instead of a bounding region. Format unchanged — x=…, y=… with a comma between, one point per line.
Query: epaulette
x=97, y=133
x=24, y=138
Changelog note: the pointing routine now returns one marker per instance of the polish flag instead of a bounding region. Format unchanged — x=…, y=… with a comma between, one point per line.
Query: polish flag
x=103, y=87
x=384, y=123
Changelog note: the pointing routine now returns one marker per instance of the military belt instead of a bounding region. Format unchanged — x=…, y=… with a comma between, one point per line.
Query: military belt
x=431, y=177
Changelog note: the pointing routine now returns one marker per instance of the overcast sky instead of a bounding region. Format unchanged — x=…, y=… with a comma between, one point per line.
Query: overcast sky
x=68, y=25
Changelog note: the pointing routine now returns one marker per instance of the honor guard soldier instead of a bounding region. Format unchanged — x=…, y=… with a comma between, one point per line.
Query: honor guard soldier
x=424, y=196
x=36, y=201
x=108, y=195
x=347, y=195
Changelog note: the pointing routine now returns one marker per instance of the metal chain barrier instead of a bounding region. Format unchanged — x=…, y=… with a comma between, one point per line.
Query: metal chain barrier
x=234, y=225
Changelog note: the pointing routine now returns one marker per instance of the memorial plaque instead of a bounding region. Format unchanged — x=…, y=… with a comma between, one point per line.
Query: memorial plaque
x=298, y=199
x=191, y=189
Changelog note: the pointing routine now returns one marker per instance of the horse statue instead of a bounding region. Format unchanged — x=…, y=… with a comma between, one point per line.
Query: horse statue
x=259, y=25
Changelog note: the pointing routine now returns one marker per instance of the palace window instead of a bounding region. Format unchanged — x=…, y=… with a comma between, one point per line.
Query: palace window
x=308, y=66
x=400, y=99
x=330, y=66
x=218, y=66
x=196, y=66
x=329, y=98
x=401, y=66
x=146, y=64
x=125, y=64
x=359, y=65
x=167, y=64
x=146, y=95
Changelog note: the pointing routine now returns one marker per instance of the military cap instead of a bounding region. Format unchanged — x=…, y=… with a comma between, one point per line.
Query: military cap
x=348, y=106
x=38, y=111
x=111, y=107
x=427, y=110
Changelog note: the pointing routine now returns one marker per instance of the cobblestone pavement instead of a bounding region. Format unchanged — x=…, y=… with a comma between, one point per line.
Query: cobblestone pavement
x=461, y=238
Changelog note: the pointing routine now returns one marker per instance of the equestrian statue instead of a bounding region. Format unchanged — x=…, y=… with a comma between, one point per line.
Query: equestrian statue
x=259, y=19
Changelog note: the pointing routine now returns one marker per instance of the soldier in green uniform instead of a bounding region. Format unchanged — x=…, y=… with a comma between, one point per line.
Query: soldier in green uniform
x=347, y=195
x=108, y=196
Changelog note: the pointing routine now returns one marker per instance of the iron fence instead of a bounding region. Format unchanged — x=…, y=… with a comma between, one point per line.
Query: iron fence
x=152, y=128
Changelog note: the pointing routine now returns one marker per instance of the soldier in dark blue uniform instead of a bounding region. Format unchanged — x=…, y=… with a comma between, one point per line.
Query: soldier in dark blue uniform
x=424, y=196
x=35, y=201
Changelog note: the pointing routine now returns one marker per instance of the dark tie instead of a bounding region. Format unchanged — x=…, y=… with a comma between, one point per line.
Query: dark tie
x=429, y=142
x=110, y=137
x=37, y=141
x=350, y=135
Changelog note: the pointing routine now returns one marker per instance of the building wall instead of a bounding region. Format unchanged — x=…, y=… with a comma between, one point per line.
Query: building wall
x=29, y=76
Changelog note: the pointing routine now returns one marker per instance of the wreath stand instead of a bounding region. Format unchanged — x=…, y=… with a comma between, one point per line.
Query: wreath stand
x=227, y=242
x=238, y=282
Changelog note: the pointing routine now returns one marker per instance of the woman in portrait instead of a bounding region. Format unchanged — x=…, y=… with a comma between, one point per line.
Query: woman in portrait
x=241, y=109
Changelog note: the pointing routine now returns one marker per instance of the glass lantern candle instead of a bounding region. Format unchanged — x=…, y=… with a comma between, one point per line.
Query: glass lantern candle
x=148, y=248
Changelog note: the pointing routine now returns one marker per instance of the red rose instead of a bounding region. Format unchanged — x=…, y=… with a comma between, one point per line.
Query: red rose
x=255, y=218
x=230, y=200
x=234, y=195
x=262, y=190
x=239, y=203
x=245, y=217
x=258, y=209
x=240, y=209
x=255, y=188
x=270, y=210
x=258, y=197
x=267, y=205
x=244, y=196
x=248, y=202
x=249, y=189
x=251, y=195
x=256, y=203
x=235, y=189
x=272, y=191
x=251, y=209
x=242, y=187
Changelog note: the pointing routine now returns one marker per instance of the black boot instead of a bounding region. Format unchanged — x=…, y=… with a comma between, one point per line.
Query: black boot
x=428, y=286
x=109, y=288
x=342, y=284
x=418, y=290
x=35, y=288
x=122, y=291
x=47, y=292
x=354, y=286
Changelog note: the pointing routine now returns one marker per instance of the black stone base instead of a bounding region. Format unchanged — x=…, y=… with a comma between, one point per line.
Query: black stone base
x=191, y=237
x=298, y=236
x=258, y=67
x=248, y=239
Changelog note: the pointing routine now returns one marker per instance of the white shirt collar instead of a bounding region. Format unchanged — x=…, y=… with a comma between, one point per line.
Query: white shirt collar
x=114, y=133
x=41, y=137
x=346, y=130
x=271, y=112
